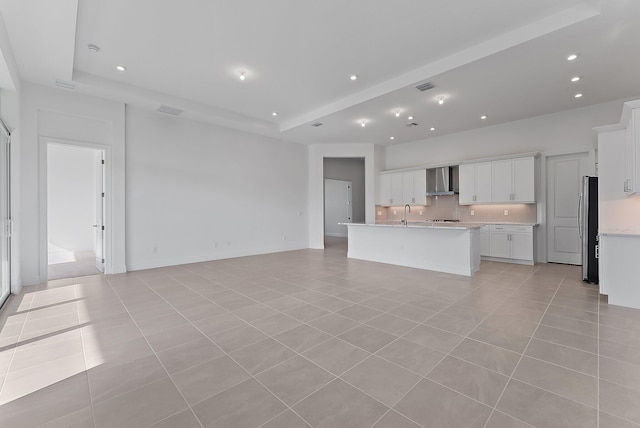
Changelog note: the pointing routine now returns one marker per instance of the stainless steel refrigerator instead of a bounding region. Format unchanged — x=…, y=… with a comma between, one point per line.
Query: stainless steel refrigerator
x=588, y=228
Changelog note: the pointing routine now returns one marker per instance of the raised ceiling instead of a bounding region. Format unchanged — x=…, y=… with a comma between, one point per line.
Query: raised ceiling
x=502, y=58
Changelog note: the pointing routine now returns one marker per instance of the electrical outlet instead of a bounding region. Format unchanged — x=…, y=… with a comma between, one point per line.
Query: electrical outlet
x=420, y=212
x=506, y=212
x=379, y=212
x=394, y=212
x=473, y=212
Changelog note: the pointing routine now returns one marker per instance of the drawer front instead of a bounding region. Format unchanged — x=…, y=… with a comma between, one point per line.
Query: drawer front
x=511, y=229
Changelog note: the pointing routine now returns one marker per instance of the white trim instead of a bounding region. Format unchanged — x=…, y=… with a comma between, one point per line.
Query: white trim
x=337, y=235
x=110, y=233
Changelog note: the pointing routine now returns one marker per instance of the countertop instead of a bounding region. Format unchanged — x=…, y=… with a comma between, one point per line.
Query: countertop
x=422, y=225
x=619, y=232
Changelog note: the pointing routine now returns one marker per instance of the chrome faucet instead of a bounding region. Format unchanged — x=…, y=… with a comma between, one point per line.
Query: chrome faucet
x=405, y=220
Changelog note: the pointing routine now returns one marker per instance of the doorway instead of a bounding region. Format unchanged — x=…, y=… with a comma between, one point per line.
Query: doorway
x=338, y=207
x=344, y=198
x=564, y=178
x=75, y=211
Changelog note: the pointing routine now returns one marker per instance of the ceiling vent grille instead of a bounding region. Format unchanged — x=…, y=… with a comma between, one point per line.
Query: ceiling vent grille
x=425, y=86
x=65, y=85
x=316, y=124
x=411, y=125
x=170, y=110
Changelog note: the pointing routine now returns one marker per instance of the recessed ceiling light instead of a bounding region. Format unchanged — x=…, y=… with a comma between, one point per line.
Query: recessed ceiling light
x=363, y=123
x=483, y=117
x=578, y=95
x=275, y=113
x=397, y=112
x=441, y=100
x=575, y=78
x=392, y=138
x=242, y=74
x=410, y=118
x=121, y=67
x=432, y=129
x=572, y=57
x=93, y=48
x=353, y=77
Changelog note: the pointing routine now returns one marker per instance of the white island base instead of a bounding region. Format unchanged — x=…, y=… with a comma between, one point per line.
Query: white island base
x=451, y=249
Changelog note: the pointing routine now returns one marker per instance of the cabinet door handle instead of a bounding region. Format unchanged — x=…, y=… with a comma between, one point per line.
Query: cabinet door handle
x=413, y=200
x=390, y=201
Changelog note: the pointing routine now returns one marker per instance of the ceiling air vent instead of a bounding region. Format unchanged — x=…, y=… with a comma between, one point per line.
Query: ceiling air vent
x=425, y=86
x=65, y=85
x=170, y=110
x=316, y=124
x=412, y=124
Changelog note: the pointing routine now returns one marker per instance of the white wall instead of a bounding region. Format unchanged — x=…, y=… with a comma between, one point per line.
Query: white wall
x=317, y=153
x=352, y=170
x=191, y=185
x=48, y=114
x=71, y=197
x=556, y=133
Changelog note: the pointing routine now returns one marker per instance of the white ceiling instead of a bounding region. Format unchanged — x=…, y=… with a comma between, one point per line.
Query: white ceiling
x=503, y=58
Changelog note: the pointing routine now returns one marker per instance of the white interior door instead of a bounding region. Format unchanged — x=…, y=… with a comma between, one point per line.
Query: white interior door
x=98, y=224
x=337, y=206
x=564, y=178
x=5, y=222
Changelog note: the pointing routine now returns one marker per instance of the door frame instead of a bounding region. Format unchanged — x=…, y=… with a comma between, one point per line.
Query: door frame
x=5, y=130
x=543, y=193
x=350, y=184
x=43, y=211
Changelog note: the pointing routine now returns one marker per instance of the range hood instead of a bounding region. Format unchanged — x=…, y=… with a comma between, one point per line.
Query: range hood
x=442, y=181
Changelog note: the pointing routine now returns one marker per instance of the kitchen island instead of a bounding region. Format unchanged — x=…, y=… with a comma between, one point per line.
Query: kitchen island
x=443, y=247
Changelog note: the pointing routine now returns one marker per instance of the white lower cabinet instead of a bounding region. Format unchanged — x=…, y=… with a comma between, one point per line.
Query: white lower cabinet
x=508, y=242
x=485, y=244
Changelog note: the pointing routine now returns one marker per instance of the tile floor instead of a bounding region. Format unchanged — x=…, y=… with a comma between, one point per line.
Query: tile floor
x=67, y=264
x=310, y=338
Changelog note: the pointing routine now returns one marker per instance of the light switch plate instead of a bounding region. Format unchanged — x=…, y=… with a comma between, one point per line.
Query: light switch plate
x=379, y=212
x=473, y=212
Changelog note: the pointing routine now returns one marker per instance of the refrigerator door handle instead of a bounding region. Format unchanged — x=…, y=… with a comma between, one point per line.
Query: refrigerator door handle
x=580, y=216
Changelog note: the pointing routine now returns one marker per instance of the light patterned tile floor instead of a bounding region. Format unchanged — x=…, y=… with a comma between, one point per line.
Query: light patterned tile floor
x=311, y=338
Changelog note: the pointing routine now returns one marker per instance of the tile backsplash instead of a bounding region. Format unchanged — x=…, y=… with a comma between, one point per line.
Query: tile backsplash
x=448, y=208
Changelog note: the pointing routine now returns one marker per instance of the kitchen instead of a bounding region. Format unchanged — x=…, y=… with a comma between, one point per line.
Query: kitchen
x=422, y=213
x=467, y=210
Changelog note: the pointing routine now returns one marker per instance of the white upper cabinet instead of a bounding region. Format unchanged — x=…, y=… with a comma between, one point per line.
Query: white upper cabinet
x=400, y=188
x=631, y=183
x=475, y=183
x=483, y=182
x=415, y=187
x=384, y=195
x=467, y=183
x=502, y=182
x=514, y=181
x=524, y=179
